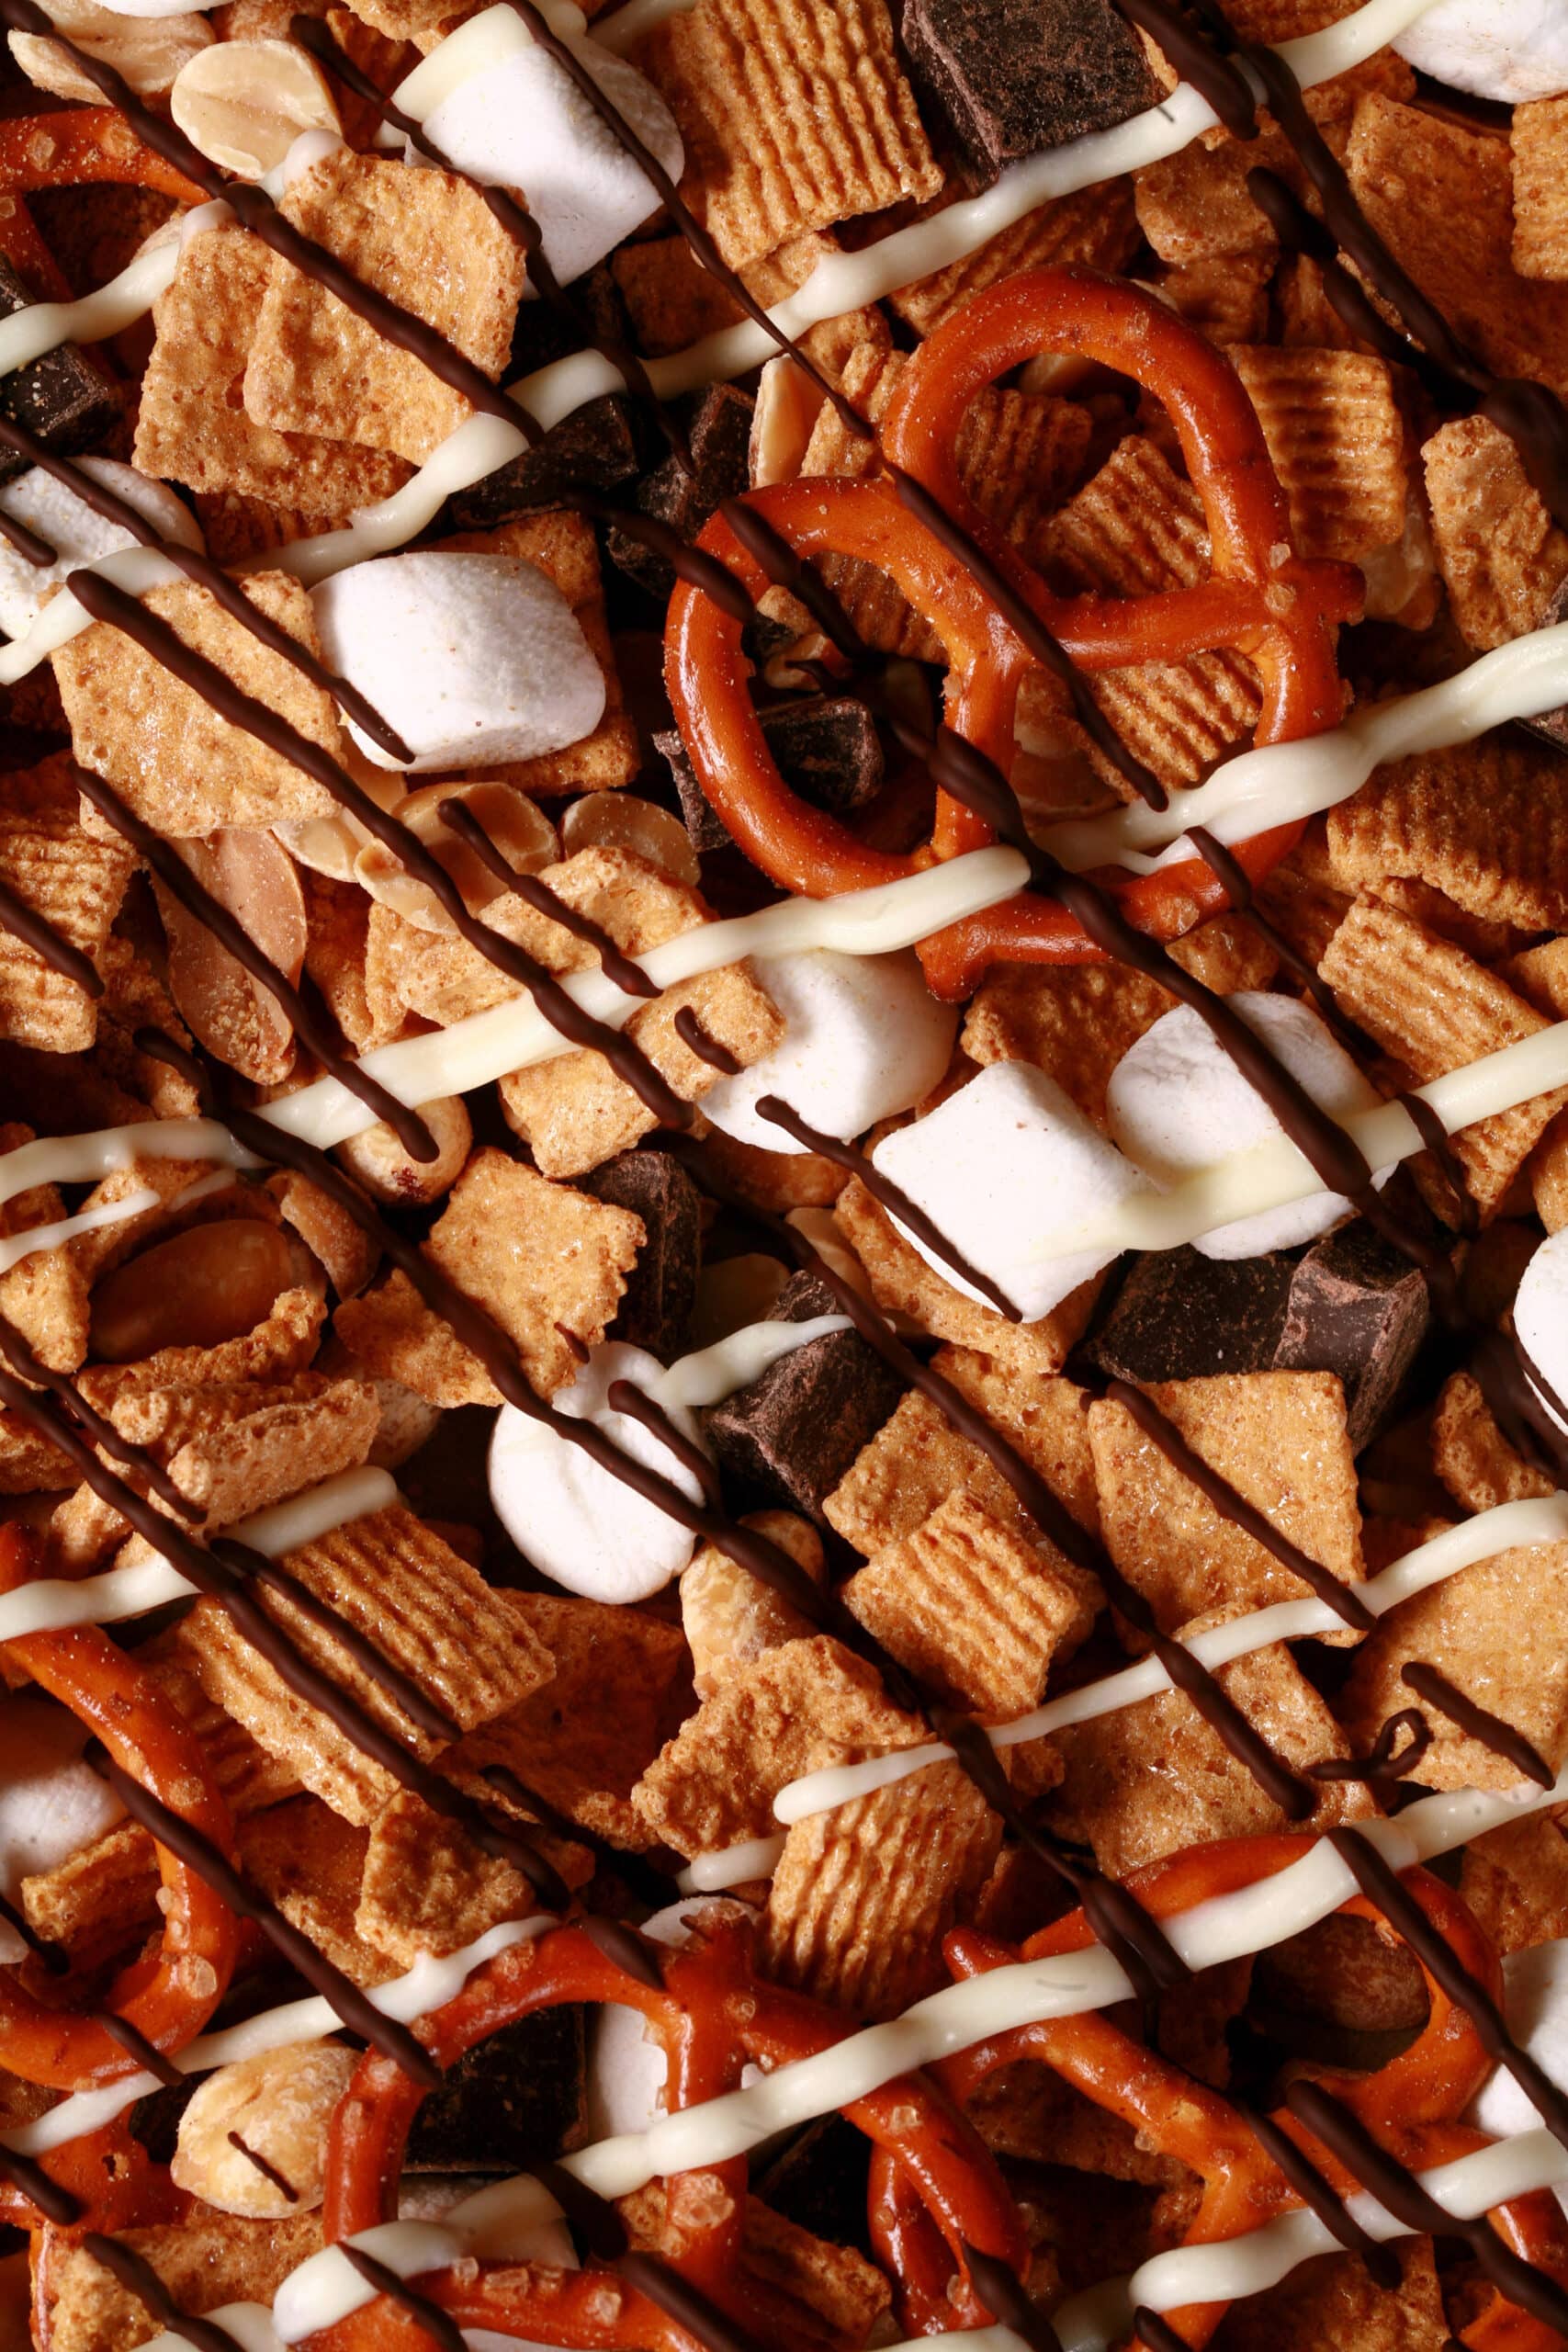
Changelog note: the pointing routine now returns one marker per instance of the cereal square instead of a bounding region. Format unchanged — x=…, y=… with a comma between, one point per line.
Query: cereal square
x=1486, y=822
x=1540, y=146
x=75, y=883
x=1501, y=556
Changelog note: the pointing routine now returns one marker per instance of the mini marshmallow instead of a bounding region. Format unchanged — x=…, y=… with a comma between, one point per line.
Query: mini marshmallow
x=1535, y=2002
x=864, y=1038
x=476, y=660
x=624, y=2088
x=1508, y=50
x=66, y=523
x=1006, y=1158
x=521, y=122
x=1541, y=1319
x=582, y=1526
x=1176, y=1101
x=51, y=1804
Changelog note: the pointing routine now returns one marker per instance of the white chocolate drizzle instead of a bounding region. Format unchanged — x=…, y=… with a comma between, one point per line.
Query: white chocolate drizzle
x=15, y=1247
x=734, y=1363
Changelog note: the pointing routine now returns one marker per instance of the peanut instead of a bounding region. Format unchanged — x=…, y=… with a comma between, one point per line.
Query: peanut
x=149, y=52
x=206, y=1285
x=380, y=1163
x=244, y=103
x=279, y=2104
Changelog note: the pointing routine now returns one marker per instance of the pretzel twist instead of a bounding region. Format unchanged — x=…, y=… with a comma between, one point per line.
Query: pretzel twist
x=1261, y=599
x=70, y=150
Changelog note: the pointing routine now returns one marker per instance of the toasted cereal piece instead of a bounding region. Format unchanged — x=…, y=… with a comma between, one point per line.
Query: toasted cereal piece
x=344, y=1250
x=1540, y=975
x=192, y=426
x=265, y=1456
x=1486, y=822
x=398, y=1584
x=276, y=1349
x=205, y=2260
x=310, y=1861
x=901, y=1279
x=1502, y=556
x=428, y=1888
x=1225, y=299
x=1279, y=1439
x=1441, y=195
x=804, y=1705
x=1151, y=1779
x=75, y=883
x=1473, y=1457
x=581, y=1741
x=729, y=1616
x=29, y=1464
x=179, y=764
x=1515, y=1880
x=279, y=2104
x=92, y=1904
x=43, y=1296
x=972, y=1610
x=1301, y=898
x=1305, y=315
x=1094, y=227
x=540, y=1257
x=238, y=526
x=1336, y=438
x=1539, y=139
x=337, y=916
x=1335, y=2300
x=1496, y=1633
x=834, y=2281
x=427, y=240
x=917, y=1458
x=795, y=115
x=1194, y=205
x=863, y=1896
x=1429, y=1004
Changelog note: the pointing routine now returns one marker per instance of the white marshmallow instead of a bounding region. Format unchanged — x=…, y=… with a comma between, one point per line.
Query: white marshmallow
x=1511, y=50
x=864, y=1038
x=1008, y=1157
x=521, y=122
x=624, y=2088
x=1176, y=1101
x=1541, y=1318
x=1535, y=2002
x=476, y=660
x=68, y=524
x=585, y=1528
x=51, y=1804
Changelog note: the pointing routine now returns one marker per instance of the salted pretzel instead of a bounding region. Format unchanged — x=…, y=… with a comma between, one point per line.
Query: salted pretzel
x=70, y=150
x=1261, y=599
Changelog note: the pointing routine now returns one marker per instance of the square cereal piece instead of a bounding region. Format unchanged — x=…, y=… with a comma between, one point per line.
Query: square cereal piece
x=1473, y=1457
x=563, y=548
x=901, y=1279
x=429, y=242
x=1225, y=299
x=1540, y=975
x=540, y=1257
x=862, y=1897
x=428, y=1888
x=917, y=1458
x=1150, y=1779
x=1538, y=142
x=1497, y=1632
x=1501, y=555
x=1195, y=206
x=1485, y=822
x=1427, y=1002
x=731, y=1617
x=191, y=426
x=1336, y=438
x=1515, y=1880
x=44, y=1297
x=804, y=1705
x=396, y=1582
x=1334, y=2300
x=1442, y=197
x=207, y=2259
x=164, y=748
x=1094, y=227
x=291, y=1439
x=972, y=1610
x=795, y=115
x=311, y=1863
x=74, y=882
x=1279, y=1439
x=835, y=2281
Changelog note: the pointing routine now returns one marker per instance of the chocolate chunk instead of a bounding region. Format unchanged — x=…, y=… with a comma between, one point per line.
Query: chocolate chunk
x=1357, y=1308
x=790, y=1437
x=827, y=751
x=595, y=449
x=656, y=1306
x=512, y=2100
x=60, y=397
x=819, y=2181
x=1012, y=77
x=685, y=497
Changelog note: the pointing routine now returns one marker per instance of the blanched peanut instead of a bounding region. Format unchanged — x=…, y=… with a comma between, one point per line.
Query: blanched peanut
x=149, y=52
x=244, y=103
x=378, y=1160
x=281, y=2104
x=617, y=821
x=517, y=826
x=209, y=1283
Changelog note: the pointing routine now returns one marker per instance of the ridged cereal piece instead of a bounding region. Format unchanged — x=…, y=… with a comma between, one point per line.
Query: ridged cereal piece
x=1337, y=442
x=1485, y=822
x=1500, y=553
x=1473, y=1457
x=1094, y=227
x=74, y=882
x=1539, y=144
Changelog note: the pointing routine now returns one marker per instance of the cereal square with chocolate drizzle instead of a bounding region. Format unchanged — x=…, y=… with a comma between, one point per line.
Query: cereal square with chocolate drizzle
x=204, y=2261
x=428, y=241
x=177, y=760
x=192, y=426
x=73, y=882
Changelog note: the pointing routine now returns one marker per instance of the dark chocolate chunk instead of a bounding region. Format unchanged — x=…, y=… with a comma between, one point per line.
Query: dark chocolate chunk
x=685, y=497
x=60, y=397
x=819, y=2181
x=1012, y=77
x=596, y=448
x=1358, y=1308
x=826, y=750
x=656, y=1306
x=513, y=2100
x=790, y=1437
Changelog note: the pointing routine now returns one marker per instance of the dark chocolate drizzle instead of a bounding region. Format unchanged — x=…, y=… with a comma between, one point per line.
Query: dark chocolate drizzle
x=1317, y=2195
x=147, y=2055
x=25, y=922
x=438, y=2325
x=1156, y=2334
x=629, y=978
x=642, y=1874
x=28, y=543
x=55, y=2201
x=691, y=1033
x=136, y=2274
x=1004, y=2296
x=1385, y=1764
x=1478, y=1723
x=265, y=2165
x=626, y=1397
x=93, y=1425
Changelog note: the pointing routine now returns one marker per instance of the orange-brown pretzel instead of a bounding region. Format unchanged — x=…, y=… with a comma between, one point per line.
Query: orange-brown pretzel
x=68, y=150
x=168, y=1997
x=1261, y=599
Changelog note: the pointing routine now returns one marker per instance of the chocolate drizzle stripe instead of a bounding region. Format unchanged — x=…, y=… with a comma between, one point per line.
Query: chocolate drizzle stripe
x=1478, y=1723
x=265, y=2165
x=629, y=978
x=626, y=1397
x=25, y=922
x=1006, y=2299
x=55, y=2201
x=366, y=1654
x=28, y=543
x=691, y=1033
x=440, y=2327
x=147, y=2055
x=1317, y=2195
x=93, y=1425
x=136, y=2274
x=1156, y=2334
x=1381, y=1767
x=641, y=1873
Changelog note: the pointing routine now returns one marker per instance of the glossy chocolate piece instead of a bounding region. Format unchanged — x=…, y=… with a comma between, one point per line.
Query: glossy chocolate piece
x=1358, y=1309
x=1009, y=77
x=656, y=1306
x=513, y=2099
x=597, y=448
x=685, y=497
x=827, y=751
x=60, y=397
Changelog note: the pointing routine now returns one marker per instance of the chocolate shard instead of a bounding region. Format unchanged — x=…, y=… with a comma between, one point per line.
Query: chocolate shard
x=790, y=1436
x=685, y=497
x=1010, y=77
x=1357, y=1308
x=828, y=750
x=596, y=448
x=1179, y=1315
x=513, y=2100
x=656, y=1305
x=60, y=397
